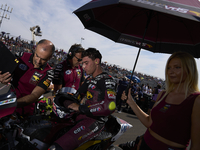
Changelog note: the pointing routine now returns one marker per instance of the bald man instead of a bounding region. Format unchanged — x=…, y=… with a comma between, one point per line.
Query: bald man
x=32, y=76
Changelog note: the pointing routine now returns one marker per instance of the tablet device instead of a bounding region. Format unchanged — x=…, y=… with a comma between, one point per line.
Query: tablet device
x=8, y=61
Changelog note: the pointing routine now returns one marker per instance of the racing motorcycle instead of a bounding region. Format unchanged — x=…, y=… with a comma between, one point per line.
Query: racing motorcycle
x=39, y=131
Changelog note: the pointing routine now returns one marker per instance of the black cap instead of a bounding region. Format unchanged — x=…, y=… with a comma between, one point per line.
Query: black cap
x=8, y=61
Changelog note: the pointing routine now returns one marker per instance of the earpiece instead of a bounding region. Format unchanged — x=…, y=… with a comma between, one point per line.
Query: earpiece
x=96, y=62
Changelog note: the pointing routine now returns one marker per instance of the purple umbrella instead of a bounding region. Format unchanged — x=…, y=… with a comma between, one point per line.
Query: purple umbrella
x=161, y=26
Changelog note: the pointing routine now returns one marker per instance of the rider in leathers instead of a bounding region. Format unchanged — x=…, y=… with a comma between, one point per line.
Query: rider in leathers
x=99, y=91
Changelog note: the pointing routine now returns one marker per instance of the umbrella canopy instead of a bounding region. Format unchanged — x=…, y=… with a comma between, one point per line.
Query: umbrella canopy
x=161, y=26
x=134, y=78
x=173, y=25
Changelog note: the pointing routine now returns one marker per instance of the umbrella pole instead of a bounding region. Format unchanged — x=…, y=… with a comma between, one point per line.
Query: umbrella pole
x=148, y=21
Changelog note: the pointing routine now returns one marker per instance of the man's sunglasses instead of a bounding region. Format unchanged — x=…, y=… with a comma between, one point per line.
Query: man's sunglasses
x=78, y=59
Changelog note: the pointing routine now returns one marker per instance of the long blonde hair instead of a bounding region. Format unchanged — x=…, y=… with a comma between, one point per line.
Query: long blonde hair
x=188, y=64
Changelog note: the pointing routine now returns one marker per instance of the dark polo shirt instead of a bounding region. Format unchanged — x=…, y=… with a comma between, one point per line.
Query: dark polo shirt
x=67, y=76
x=26, y=78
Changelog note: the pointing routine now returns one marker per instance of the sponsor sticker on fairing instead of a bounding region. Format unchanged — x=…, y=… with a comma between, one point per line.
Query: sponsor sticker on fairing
x=8, y=101
x=79, y=129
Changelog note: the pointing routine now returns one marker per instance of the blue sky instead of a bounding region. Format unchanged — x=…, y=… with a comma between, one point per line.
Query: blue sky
x=63, y=28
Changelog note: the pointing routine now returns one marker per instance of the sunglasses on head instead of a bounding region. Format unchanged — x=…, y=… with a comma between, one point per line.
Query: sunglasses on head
x=78, y=59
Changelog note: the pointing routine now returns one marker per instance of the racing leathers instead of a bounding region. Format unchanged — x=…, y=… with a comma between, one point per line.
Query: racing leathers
x=99, y=102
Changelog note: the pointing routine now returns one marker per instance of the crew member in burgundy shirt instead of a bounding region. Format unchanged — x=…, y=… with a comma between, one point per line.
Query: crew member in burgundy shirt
x=69, y=73
x=32, y=76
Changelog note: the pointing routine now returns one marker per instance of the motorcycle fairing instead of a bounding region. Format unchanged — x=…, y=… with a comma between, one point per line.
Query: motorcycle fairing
x=8, y=103
x=124, y=127
x=114, y=128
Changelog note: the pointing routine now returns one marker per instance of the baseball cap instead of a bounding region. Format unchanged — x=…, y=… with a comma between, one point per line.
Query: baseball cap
x=8, y=61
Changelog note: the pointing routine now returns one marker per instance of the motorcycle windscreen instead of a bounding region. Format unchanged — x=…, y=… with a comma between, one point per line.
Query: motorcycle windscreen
x=124, y=127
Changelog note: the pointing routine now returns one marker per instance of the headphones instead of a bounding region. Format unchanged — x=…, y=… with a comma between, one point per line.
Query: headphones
x=73, y=50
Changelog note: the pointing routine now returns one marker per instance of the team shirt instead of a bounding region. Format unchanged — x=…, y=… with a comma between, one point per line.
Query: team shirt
x=26, y=78
x=67, y=76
